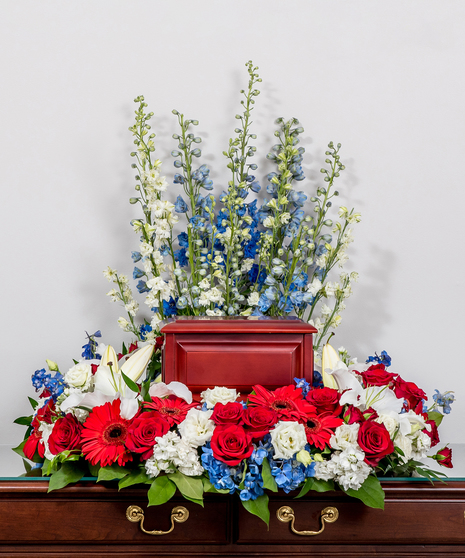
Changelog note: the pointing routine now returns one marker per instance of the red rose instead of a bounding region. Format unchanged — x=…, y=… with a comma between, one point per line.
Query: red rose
x=444, y=457
x=34, y=443
x=143, y=430
x=377, y=375
x=433, y=433
x=66, y=434
x=231, y=444
x=409, y=391
x=259, y=420
x=375, y=441
x=326, y=400
x=228, y=413
x=159, y=342
x=353, y=414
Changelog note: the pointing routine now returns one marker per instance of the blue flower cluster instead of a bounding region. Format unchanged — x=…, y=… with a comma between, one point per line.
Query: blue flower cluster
x=289, y=474
x=383, y=359
x=221, y=475
x=41, y=379
x=444, y=400
x=90, y=347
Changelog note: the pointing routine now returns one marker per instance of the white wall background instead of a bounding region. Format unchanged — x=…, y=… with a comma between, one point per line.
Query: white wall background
x=386, y=79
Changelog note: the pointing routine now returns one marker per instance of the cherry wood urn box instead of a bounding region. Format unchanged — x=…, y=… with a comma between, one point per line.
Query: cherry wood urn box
x=237, y=352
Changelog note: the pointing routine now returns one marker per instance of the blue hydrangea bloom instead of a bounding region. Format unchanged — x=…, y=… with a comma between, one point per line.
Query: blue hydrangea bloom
x=219, y=473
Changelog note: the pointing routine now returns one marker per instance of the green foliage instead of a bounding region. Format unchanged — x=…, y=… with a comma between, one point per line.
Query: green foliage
x=190, y=487
x=259, y=507
x=436, y=416
x=268, y=480
x=370, y=493
x=139, y=476
x=66, y=474
x=161, y=490
x=112, y=472
x=311, y=483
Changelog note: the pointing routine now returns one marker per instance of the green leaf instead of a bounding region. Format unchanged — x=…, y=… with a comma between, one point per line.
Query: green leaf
x=199, y=502
x=144, y=391
x=268, y=479
x=93, y=469
x=26, y=421
x=436, y=416
x=258, y=507
x=160, y=491
x=112, y=472
x=315, y=484
x=130, y=383
x=208, y=487
x=19, y=449
x=33, y=402
x=68, y=472
x=370, y=493
x=139, y=476
x=190, y=487
x=27, y=466
x=242, y=483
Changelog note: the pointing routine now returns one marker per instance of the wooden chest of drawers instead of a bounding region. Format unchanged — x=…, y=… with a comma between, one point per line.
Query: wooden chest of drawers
x=90, y=520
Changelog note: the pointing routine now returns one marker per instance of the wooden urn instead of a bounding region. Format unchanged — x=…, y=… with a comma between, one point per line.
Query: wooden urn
x=236, y=352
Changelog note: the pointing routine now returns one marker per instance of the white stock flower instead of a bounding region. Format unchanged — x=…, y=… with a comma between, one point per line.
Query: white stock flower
x=288, y=438
x=347, y=467
x=145, y=249
x=124, y=324
x=246, y=265
x=171, y=452
x=218, y=395
x=79, y=376
x=197, y=428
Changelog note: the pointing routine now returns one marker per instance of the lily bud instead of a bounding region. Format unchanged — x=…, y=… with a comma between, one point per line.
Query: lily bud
x=135, y=365
x=329, y=359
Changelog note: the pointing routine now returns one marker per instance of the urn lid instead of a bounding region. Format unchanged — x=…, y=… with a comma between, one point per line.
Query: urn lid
x=236, y=324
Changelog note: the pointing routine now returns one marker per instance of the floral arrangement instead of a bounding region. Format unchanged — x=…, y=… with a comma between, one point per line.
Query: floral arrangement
x=236, y=256
x=110, y=416
x=97, y=419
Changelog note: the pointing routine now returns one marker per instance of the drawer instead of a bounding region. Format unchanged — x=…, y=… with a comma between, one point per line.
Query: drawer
x=49, y=518
x=402, y=521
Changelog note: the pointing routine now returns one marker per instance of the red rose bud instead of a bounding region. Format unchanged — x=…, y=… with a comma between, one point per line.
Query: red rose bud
x=259, y=420
x=231, y=444
x=375, y=441
x=159, y=342
x=444, y=457
x=326, y=400
x=93, y=368
x=353, y=414
x=228, y=413
x=377, y=375
x=66, y=435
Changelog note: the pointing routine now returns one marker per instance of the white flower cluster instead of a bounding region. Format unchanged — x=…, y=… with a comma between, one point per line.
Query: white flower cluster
x=346, y=466
x=171, y=453
x=288, y=438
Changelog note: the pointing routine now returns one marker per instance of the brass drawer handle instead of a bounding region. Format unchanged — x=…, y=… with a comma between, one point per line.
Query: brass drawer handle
x=328, y=515
x=179, y=514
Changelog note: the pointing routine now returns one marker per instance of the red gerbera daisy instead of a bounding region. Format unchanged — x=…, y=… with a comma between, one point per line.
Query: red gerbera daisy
x=104, y=435
x=172, y=408
x=319, y=429
x=286, y=401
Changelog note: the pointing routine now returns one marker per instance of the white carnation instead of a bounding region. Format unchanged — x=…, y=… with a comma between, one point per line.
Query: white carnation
x=344, y=436
x=288, y=438
x=171, y=452
x=79, y=376
x=197, y=428
x=218, y=395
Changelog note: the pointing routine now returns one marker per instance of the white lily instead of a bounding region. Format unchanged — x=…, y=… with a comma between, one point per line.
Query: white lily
x=329, y=360
x=179, y=389
x=108, y=378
